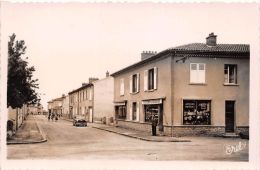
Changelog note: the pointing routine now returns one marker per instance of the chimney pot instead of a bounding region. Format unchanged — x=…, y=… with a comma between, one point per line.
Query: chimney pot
x=107, y=74
x=211, y=40
x=147, y=54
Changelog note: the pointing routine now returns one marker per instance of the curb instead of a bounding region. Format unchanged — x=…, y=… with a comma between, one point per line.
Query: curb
x=141, y=138
x=30, y=142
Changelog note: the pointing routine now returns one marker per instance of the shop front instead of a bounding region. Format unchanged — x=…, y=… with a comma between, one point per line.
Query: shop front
x=120, y=110
x=153, y=108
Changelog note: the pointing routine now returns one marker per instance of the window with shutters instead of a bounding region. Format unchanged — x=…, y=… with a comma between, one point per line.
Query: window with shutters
x=197, y=73
x=150, y=79
x=90, y=94
x=122, y=87
x=134, y=83
x=230, y=74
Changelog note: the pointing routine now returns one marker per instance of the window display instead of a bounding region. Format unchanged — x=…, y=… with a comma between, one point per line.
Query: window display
x=196, y=112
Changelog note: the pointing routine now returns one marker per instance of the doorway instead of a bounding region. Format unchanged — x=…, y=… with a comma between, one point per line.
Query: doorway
x=230, y=116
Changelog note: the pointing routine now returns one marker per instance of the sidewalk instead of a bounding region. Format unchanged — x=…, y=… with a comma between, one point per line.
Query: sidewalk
x=30, y=132
x=134, y=133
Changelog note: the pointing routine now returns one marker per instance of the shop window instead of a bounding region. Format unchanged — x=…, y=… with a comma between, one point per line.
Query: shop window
x=121, y=112
x=151, y=110
x=196, y=112
x=197, y=73
x=230, y=74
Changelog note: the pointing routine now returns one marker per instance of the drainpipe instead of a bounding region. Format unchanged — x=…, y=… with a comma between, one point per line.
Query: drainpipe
x=172, y=95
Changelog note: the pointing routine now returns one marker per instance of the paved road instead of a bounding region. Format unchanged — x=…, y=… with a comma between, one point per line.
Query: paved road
x=68, y=142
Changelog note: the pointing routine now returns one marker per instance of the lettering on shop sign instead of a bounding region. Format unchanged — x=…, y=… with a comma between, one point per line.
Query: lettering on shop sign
x=235, y=148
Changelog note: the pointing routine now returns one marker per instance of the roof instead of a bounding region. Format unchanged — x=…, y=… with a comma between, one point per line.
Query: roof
x=237, y=48
x=198, y=50
x=82, y=87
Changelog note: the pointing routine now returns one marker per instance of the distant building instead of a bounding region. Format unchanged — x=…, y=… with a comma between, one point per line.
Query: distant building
x=55, y=106
x=65, y=106
x=103, y=100
x=194, y=89
x=81, y=101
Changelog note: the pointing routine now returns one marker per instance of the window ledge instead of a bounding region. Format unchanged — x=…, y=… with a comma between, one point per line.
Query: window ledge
x=204, y=84
x=150, y=90
x=230, y=84
x=134, y=93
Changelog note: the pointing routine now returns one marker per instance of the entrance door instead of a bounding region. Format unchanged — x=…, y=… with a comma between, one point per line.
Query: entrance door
x=90, y=114
x=230, y=116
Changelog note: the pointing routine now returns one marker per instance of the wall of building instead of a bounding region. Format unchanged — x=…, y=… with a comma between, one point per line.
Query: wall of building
x=163, y=88
x=103, y=99
x=214, y=89
x=65, y=106
x=85, y=104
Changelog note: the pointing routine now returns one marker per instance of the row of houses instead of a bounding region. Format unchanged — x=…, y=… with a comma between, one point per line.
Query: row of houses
x=193, y=89
x=96, y=96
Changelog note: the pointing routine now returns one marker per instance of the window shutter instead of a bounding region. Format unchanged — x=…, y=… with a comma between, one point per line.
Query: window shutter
x=122, y=87
x=145, y=80
x=155, y=78
x=137, y=83
x=193, y=73
x=137, y=112
x=90, y=94
x=201, y=73
x=131, y=111
x=131, y=84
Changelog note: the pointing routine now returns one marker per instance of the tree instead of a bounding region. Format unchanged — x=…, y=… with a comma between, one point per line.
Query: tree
x=21, y=87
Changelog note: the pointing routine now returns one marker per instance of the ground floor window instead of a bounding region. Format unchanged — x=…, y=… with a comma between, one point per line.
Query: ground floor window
x=134, y=107
x=196, y=112
x=151, y=110
x=121, y=112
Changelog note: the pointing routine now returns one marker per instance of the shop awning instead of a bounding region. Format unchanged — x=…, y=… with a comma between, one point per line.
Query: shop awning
x=152, y=101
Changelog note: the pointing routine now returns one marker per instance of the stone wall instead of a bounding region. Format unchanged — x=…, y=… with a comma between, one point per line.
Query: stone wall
x=178, y=131
x=134, y=125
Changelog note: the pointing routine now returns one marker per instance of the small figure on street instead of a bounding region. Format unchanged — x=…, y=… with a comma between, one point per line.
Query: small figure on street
x=52, y=116
x=56, y=118
x=49, y=117
x=154, y=120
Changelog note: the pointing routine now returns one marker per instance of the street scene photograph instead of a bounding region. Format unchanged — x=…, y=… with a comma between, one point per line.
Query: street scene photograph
x=134, y=82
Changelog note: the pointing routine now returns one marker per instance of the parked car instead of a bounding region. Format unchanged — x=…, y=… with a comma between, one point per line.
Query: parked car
x=79, y=122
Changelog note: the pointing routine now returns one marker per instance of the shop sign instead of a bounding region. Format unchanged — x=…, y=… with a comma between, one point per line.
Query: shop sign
x=150, y=102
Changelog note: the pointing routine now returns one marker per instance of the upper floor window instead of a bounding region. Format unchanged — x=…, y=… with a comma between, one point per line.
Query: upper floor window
x=230, y=74
x=122, y=87
x=134, y=83
x=90, y=94
x=150, y=79
x=197, y=73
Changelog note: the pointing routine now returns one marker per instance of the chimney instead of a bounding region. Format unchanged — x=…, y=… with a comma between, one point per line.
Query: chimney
x=84, y=84
x=147, y=54
x=92, y=79
x=211, y=40
x=107, y=74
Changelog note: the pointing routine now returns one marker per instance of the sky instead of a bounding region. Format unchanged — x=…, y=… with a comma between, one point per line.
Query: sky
x=70, y=42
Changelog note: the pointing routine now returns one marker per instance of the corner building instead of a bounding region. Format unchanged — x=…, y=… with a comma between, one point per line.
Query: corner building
x=193, y=89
